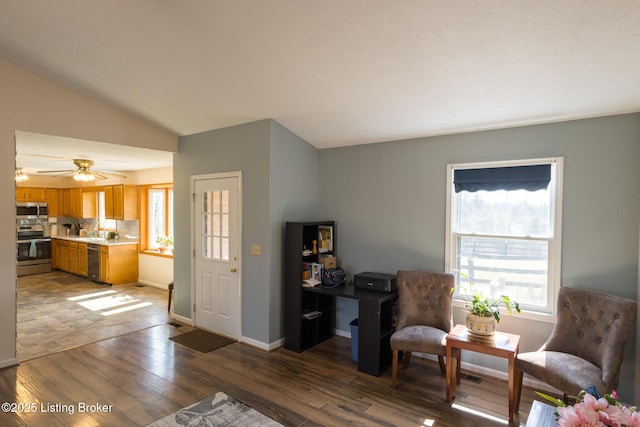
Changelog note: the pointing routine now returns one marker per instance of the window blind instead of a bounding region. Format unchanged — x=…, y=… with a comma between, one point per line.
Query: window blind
x=531, y=178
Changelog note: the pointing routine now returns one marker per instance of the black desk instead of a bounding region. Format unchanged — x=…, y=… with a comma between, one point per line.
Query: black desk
x=375, y=324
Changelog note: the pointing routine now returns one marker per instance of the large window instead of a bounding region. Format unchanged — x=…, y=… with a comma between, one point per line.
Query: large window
x=156, y=215
x=503, y=230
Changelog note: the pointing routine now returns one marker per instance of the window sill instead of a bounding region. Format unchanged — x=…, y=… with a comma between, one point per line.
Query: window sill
x=525, y=314
x=155, y=252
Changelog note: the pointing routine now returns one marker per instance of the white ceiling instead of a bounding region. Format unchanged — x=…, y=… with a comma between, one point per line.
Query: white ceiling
x=37, y=152
x=337, y=72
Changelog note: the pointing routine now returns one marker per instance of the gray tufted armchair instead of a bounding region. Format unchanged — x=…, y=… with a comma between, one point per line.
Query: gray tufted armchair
x=586, y=345
x=424, y=316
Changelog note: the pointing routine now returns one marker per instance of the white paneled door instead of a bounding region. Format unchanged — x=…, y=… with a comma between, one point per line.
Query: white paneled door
x=217, y=255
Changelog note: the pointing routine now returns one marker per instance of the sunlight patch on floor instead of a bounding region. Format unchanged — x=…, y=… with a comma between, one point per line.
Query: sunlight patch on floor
x=478, y=413
x=128, y=308
x=105, y=300
x=427, y=423
x=108, y=302
x=91, y=295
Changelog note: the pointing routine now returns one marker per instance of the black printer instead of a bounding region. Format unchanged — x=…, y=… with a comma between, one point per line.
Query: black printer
x=380, y=282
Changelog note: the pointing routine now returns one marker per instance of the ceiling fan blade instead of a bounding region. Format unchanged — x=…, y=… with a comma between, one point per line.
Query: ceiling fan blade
x=109, y=173
x=98, y=175
x=58, y=171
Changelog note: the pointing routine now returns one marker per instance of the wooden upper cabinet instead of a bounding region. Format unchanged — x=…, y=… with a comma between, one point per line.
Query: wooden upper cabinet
x=22, y=194
x=30, y=194
x=89, y=204
x=53, y=198
x=121, y=202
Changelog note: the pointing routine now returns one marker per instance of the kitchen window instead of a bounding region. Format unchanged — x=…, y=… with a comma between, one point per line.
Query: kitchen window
x=504, y=229
x=156, y=216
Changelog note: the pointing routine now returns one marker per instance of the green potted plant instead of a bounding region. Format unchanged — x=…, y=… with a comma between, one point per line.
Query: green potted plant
x=483, y=313
x=165, y=242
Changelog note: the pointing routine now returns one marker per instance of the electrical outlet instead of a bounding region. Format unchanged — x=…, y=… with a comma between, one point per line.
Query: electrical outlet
x=256, y=250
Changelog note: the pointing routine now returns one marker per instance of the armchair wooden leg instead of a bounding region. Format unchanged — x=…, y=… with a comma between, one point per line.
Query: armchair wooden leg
x=394, y=368
x=406, y=358
x=517, y=392
x=443, y=369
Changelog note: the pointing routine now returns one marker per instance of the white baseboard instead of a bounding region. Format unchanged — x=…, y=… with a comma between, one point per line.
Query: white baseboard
x=163, y=286
x=180, y=319
x=8, y=362
x=262, y=345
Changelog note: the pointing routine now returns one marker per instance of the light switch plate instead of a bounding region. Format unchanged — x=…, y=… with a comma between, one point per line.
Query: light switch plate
x=256, y=249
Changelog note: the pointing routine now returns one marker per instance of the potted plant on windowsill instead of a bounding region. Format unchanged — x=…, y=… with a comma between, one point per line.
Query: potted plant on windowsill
x=165, y=242
x=483, y=313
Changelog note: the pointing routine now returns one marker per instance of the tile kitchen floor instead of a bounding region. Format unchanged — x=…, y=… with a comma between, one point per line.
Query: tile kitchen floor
x=58, y=311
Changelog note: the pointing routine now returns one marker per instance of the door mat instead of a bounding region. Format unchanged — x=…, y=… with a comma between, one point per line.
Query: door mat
x=217, y=410
x=202, y=341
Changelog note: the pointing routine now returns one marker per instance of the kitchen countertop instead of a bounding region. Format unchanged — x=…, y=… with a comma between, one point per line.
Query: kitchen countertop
x=99, y=240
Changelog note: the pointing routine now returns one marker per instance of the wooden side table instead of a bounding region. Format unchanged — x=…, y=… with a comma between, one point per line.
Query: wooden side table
x=502, y=345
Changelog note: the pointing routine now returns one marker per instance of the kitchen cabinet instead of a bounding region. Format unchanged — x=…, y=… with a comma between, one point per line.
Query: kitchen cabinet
x=53, y=198
x=78, y=261
x=70, y=256
x=72, y=202
x=119, y=264
x=30, y=194
x=121, y=202
x=62, y=252
x=76, y=203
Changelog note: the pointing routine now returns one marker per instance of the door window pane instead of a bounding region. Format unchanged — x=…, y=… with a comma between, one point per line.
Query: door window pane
x=215, y=221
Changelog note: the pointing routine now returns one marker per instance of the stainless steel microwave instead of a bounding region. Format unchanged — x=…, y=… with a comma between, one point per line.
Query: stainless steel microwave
x=31, y=210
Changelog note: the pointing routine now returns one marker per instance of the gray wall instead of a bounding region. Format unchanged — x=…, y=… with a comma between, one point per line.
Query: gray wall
x=295, y=194
x=388, y=201
x=279, y=183
x=239, y=148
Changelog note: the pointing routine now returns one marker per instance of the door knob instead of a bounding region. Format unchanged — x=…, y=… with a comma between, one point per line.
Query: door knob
x=233, y=270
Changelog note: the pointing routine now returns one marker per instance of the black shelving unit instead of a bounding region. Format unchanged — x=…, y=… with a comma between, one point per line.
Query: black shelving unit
x=375, y=325
x=302, y=333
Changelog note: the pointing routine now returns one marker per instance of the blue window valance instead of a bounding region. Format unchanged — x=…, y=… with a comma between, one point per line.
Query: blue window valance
x=531, y=178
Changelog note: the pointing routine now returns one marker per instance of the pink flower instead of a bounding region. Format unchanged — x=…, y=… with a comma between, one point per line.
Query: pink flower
x=592, y=412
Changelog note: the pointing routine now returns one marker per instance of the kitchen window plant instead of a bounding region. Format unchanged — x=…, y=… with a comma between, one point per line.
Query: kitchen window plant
x=165, y=242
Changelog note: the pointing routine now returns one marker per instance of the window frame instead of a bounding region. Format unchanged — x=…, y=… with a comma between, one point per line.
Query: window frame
x=144, y=245
x=555, y=240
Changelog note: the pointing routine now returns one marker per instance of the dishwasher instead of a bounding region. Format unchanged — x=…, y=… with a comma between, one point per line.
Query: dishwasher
x=93, y=255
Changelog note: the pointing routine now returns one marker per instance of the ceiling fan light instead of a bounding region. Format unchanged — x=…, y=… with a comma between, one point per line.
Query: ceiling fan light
x=20, y=176
x=83, y=176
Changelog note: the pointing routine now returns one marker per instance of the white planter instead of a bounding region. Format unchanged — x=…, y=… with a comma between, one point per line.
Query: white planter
x=482, y=326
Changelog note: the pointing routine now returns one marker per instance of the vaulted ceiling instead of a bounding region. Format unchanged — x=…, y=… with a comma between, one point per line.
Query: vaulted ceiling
x=337, y=72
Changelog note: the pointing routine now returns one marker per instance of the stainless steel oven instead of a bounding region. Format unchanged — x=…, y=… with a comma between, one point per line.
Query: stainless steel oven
x=31, y=210
x=34, y=250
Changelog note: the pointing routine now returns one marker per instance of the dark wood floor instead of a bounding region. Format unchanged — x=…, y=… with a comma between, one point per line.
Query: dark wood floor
x=143, y=376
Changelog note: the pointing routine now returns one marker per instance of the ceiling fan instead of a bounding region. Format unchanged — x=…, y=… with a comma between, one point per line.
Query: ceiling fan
x=84, y=172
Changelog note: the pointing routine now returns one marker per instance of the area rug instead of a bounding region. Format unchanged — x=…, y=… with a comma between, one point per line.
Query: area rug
x=217, y=410
x=202, y=341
